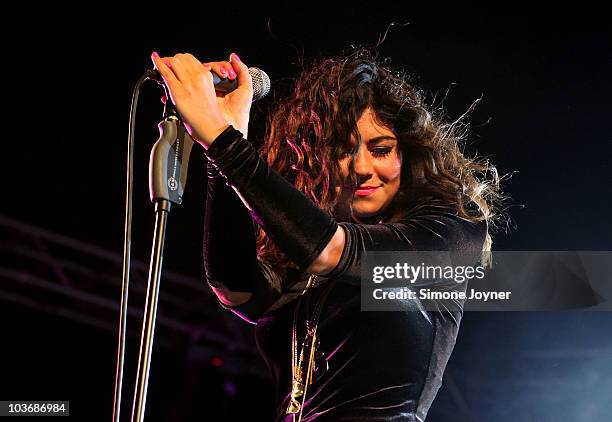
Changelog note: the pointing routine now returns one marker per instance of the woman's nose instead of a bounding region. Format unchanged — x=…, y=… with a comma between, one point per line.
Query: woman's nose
x=363, y=162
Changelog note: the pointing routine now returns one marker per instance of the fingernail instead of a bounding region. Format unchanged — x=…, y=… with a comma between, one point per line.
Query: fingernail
x=222, y=72
x=232, y=73
x=236, y=57
x=155, y=55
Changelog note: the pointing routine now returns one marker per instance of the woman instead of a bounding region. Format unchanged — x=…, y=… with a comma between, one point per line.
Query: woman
x=355, y=163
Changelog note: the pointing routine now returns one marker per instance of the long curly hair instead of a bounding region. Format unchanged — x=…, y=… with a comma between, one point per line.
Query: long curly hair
x=310, y=131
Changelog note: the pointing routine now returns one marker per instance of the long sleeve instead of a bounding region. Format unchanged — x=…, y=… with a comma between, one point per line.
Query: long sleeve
x=230, y=260
x=430, y=225
x=302, y=230
x=293, y=222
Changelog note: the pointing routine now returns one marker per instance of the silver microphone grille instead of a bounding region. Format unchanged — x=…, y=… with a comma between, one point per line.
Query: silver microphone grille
x=261, y=83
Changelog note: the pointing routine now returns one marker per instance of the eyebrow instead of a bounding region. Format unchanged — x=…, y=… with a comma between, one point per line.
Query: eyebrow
x=378, y=139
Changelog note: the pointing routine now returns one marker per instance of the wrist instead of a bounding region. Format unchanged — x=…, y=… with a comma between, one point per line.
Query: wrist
x=206, y=135
x=241, y=124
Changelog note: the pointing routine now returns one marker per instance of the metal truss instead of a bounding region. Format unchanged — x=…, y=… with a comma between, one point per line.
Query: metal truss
x=62, y=276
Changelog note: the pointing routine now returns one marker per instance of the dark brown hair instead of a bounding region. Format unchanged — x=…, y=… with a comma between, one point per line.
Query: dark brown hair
x=311, y=130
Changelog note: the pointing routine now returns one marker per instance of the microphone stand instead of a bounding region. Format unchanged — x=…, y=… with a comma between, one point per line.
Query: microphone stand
x=168, y=166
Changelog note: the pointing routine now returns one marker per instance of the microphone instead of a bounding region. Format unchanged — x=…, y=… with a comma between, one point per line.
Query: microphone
x=261, y=82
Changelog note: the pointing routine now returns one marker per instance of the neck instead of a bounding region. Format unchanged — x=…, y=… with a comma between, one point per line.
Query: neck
x=373, y=219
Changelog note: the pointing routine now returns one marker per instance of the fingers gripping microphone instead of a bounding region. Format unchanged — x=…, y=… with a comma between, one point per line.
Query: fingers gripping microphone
x=170, y=154
x=261, y=82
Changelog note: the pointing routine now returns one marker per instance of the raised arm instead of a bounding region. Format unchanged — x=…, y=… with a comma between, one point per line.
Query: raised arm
x=429, y=225
x=293, y=222
x=231, y=267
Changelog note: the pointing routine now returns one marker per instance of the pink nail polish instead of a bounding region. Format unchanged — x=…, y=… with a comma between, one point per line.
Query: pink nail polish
x=236, y=56
x=232, y=73
x=155, y=55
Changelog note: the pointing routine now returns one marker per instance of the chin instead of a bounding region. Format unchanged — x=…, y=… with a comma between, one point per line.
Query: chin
x=365, y=212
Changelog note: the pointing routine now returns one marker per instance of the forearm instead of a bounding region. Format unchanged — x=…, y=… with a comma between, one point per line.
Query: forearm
x=218, y=206
x=230, y=259
x=294, y=223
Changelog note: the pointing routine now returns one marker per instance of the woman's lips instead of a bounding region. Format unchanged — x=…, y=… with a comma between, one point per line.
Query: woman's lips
x=365, y=191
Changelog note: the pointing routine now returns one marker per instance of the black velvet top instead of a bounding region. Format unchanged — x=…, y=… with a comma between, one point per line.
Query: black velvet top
x=382, y=366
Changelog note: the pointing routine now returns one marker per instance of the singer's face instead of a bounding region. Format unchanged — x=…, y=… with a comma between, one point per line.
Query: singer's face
x=377, y=163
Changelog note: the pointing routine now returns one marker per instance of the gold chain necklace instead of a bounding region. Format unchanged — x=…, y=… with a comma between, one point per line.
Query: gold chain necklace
x=302, y=378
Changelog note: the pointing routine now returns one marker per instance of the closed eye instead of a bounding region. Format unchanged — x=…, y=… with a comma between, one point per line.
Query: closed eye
x=381, y=152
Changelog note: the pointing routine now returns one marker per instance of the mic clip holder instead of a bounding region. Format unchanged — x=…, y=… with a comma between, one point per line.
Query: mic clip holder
x=169, y=161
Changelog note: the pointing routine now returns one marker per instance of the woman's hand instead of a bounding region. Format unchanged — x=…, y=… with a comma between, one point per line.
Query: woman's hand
x=205, y=112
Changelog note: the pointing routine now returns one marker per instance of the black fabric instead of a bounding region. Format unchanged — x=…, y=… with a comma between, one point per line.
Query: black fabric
x=226, y=220
x=295, y=225
x=382, y=365
x=230, y=258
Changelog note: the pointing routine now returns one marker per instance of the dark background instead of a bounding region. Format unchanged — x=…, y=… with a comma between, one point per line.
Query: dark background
x=542, y=74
